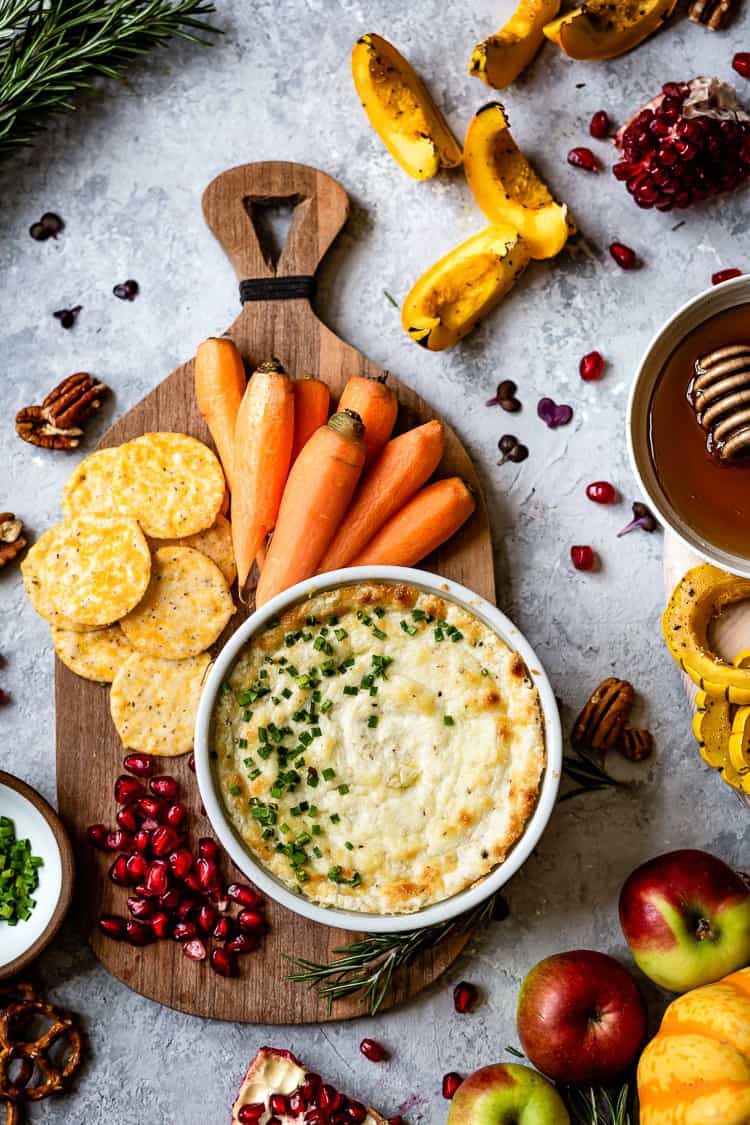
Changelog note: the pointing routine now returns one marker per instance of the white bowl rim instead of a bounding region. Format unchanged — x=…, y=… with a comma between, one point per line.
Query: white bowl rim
x=351, y=919
x=695, y=543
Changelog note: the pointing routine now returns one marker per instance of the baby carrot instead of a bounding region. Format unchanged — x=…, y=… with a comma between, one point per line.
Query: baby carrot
x=377, y=406
x=311, y=402
x=263, y=436
x=422, y=525
x=405, y=464
x=320, y=487
x=219, y=387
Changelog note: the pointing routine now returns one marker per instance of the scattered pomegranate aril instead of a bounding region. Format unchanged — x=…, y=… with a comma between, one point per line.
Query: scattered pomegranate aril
x=118, y=872
x=243, y=943
x=157, y=878
x=244, y=895
x=127, y=291
x=175, y=814
x=296, y=1103
x=584, y=158
x=601, y=492
x=741, y=63
x=251, y=1113
x=139, y=907
x=279, y=1103
x=137, y=933
x=152, y=807
x=357, y=1112
x=119, y=841
x=112, y=926
x=127, y=789
x=223, y=963
x=181, y=862
x=451, y=1082
x=161, y=924
x=251, y=921
x=127, y=819
x=465, y=996
x=373, y=1050
x=96, y=834
x=207, y=917
x=582, y=557
x=142, y=839
x=600, y=125
x=724, y=275
x=164, y=786
x=142, y=765
x=137, y=867
x=195, y=949
x=186, y=907
x=183, y=931
x=164, y=840
x=623, y=255
x=591, y=367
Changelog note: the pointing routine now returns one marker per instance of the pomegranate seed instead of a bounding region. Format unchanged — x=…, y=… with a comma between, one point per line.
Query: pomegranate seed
x=724, y=275
x=157, y=879
x=296, y=1103
x=397, y=1120
x=137, y=867
x=164, y=786
x=741, y=63
x=152, y=807
x=278, y=1103
x=373, y=1050
x=591, y=367
x=164, y=840
x=465, y=996
x=623, y=255
x=599, y=126
x=191, y=762
x=451, y=1082
x=225, y=929
x=329, y=1097
x=207, y=917
x=118, y=872
x=251, y=921
x=127, y=789
x=142, y=765
x=192, y=881
x=311, y=1086
x=583, y=558
x=251, y=1113
x=186, y=908
x=181, y=862
x=119, y=841
x=126, y=819
x=312, y=1117
x=112, y=926
x=242, y=944
x=175, y=814
x=356, y=1111
x=140, y=907
x=160, y=924
x=207, y=871
x=601, y=492
x=195, y=950
x=183, y=931
x=96, y=835
x=242, y=894
x=223, y=963
x=584, y=158
x=138, y=934
x=208, y=848
x=624, y=170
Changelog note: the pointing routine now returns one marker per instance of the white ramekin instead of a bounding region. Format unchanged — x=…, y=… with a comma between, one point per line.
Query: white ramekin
x=695, y=312
x=357, y=920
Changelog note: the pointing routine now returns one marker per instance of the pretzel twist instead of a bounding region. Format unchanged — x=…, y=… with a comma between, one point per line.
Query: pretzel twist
x=32, y=1054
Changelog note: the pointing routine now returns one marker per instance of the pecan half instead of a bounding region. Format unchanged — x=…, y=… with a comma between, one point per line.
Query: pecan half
x=12, y=541
x=715, y=14
x=56, y=424
x=635, y=744
x=602, y=720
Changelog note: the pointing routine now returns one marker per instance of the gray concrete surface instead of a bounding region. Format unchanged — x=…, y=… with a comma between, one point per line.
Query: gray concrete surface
x=126, y=172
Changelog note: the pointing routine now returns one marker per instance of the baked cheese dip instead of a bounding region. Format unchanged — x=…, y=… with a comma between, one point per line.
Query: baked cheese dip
x=378, y=748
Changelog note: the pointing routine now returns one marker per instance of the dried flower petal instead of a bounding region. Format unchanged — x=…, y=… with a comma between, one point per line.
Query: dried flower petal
x=127, y=291
x=554, y=414
x=643, y=518
x=68, y=317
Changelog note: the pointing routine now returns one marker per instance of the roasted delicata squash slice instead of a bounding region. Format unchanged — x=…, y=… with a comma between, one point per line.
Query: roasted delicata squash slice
x=601, y=29
x=712, y=726
x=500, y=59
x=508, y=189
x=401, y=110
x=697, y=598
x=454, y=294
x=739, y=741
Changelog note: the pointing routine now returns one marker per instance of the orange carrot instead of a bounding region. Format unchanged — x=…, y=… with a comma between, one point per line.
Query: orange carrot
x=219, y=387
x=311, y=402
x=318, y=492
x=403, y=467
x=377, y=406
x=426, y=521
x=263, y=436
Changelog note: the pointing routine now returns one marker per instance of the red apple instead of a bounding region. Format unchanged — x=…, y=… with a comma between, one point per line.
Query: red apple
x=686, y=918
x=580, y=1017
x=507, y=1094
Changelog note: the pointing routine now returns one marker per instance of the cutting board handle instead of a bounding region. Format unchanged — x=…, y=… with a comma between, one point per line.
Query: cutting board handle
x=320, y=206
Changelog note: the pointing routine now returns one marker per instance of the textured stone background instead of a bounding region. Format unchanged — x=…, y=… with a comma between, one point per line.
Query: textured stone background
x=126, y=172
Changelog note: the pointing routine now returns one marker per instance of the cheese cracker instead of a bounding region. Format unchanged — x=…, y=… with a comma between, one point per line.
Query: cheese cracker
x=153, y=702
x=215, y=542
x=88, y=489
x=95, y=655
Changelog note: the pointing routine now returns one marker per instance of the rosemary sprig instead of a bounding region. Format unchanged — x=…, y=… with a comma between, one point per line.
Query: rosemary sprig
x=51, y=51
x=587, y=774
x=596, y=1106
x=366, y=967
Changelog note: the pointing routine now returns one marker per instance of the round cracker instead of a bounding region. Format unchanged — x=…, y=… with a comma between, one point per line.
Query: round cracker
x=184, y=609
x=88, y=489
x=95, y=655
x=171, y=483
x=215, y=543
x=36, y=590
x=94, y=570
x=153, y=702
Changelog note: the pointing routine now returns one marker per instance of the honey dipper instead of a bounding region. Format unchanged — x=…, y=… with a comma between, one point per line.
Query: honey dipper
x=719, y=394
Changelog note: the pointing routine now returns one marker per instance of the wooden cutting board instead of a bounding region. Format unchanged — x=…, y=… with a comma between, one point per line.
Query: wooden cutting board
x=89, y=753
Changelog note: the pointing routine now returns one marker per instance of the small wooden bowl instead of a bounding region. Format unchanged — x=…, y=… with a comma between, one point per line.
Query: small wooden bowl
x=34, y=818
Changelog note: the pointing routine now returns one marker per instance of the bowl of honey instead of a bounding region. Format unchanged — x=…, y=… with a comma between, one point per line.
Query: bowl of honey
x=689, y=425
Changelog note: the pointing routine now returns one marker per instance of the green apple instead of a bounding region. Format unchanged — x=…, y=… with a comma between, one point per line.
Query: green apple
x=507, y=1094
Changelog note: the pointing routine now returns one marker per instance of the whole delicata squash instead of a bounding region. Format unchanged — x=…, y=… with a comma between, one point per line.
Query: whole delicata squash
x=600, y=29
x=401, y=110
x=500, y=59
x=508, y=189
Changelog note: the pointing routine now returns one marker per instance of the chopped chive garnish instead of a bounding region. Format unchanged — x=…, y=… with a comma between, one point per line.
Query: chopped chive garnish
x=286, y=692
x=379, y=611
x=349, y=846
x=328, y=773
x=340, y=634
x=316, y=830
x=448, y=721
x=255, y=773
x=326, y=706
x=379, y=633
x=351, y=689
x=242, y=743
x=439, y=635
x=235, y=790
x=317, y=852
x=247, y=716
x=372, y=721
x=284, y=828
x=335, y=818
x=343, y=790
x=407, y=628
